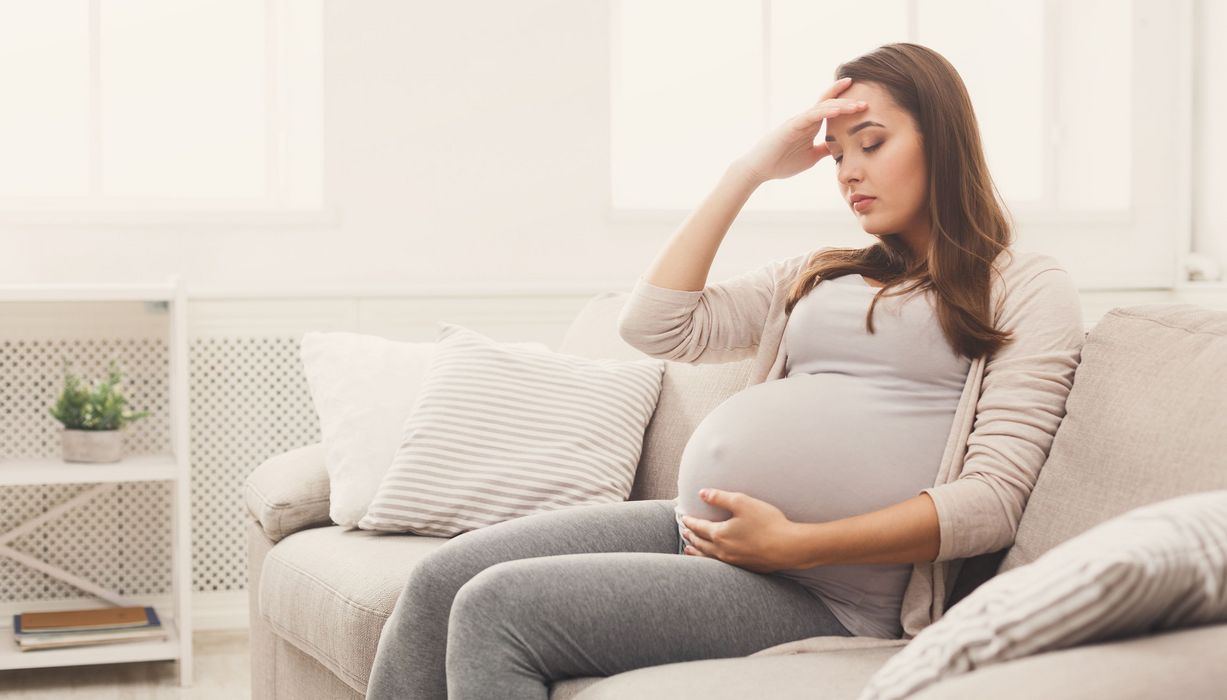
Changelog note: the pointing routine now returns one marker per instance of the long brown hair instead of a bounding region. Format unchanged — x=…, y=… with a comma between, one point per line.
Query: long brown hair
x=967, y=222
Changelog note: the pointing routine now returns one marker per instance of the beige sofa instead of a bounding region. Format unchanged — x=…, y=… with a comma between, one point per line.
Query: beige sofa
x=1147, y=420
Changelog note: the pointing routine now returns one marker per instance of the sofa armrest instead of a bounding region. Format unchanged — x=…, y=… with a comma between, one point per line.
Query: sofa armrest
x=289, y=492
x=1184, y=663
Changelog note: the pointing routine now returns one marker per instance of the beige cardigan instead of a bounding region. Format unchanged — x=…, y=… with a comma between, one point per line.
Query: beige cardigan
x=1003, y=427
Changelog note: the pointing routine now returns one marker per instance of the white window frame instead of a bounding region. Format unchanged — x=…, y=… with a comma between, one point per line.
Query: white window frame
x=274, y=208
x=1148, y=244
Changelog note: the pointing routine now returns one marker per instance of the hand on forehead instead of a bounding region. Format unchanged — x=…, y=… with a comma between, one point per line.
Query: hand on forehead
x=877, y=109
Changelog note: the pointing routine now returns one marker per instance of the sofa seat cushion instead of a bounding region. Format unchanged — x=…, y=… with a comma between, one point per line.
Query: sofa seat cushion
x=328, y=591
x=1170, y=664
x=830, y=675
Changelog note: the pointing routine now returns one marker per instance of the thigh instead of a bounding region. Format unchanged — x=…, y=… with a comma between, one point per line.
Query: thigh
x=624, y=526
x=601, y=614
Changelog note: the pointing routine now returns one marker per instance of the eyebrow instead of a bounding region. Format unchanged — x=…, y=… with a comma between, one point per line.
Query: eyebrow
x=858, y=127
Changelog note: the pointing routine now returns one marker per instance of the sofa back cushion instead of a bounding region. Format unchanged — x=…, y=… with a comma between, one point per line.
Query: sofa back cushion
x=1143, y=423
x=688, y=393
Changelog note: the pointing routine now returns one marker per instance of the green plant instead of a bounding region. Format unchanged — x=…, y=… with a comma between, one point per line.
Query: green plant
x=100, y=407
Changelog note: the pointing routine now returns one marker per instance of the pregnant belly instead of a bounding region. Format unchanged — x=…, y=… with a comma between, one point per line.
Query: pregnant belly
x=817, y=446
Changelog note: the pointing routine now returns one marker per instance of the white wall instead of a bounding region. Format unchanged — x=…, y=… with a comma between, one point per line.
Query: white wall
x=1209, y=139
x=467, y=144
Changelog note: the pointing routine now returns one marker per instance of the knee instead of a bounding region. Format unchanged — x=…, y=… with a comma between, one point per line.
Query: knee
x=430, y=568
x=434, y=580
x=450, y=564
x=491, y=595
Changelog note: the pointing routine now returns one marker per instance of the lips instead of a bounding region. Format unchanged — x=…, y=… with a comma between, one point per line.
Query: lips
x=861, y=203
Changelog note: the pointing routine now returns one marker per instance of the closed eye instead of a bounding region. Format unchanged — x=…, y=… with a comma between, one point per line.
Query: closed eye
x=867, y=149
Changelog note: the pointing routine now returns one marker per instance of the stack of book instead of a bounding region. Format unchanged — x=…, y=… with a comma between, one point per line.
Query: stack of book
x=71, y=628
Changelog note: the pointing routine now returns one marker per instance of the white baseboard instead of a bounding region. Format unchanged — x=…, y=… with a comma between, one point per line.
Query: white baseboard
x=220, y=610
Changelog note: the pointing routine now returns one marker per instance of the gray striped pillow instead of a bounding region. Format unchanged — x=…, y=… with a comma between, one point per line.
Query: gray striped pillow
x=498, y=432
x=1160, y=566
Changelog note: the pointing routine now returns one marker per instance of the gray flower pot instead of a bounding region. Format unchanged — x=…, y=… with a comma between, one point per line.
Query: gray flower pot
x=92, y=445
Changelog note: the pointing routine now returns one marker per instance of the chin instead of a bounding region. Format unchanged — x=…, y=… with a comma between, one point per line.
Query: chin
x=878, y=226
x=876, y=229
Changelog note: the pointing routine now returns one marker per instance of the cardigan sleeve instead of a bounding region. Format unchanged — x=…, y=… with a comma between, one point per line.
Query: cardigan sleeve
x=723, y=322
x=1021, y=405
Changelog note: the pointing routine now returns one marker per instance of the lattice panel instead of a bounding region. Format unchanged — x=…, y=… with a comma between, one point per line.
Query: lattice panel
x=248, y=400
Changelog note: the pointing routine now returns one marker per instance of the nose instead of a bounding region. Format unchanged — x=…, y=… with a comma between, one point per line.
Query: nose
x=849, y=171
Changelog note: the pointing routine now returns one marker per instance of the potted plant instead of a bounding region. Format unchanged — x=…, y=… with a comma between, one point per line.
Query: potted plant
x=93, y=418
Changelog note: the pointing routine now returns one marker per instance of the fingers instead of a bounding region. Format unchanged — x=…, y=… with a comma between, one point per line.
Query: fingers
x=835, y=109
x=827, y=111
x=836, y=88
x=689, y=531
x=693, y=544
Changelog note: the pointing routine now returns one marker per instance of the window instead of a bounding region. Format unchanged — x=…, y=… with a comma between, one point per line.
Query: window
x=173, y=108
x=1086, y=133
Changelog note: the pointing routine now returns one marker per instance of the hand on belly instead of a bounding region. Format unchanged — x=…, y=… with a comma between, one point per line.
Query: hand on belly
x=756, y=536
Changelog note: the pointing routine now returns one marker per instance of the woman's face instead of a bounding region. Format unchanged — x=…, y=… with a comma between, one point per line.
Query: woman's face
x=885, y=161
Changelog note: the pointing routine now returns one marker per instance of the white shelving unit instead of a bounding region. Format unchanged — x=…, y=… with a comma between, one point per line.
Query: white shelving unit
x=174, y=467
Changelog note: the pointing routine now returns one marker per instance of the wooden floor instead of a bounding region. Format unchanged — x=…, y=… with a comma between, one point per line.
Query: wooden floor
x=222, y=670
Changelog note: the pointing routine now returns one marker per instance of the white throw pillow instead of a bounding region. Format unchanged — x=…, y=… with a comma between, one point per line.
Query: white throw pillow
x=1160, y=566
x=501, y=432
x=363, y=387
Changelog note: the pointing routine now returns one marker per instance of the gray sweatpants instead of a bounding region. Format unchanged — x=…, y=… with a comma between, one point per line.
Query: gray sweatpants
x=503, y=611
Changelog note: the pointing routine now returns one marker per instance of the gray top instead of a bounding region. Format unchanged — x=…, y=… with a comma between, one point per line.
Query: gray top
x=1008, y=414
x=857, y=423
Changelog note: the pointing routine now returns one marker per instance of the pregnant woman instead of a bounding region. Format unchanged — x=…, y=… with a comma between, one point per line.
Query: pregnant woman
x=829, y=497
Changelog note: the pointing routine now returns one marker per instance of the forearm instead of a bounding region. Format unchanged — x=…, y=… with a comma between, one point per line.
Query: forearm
x=904, y=533
x=687, y=256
